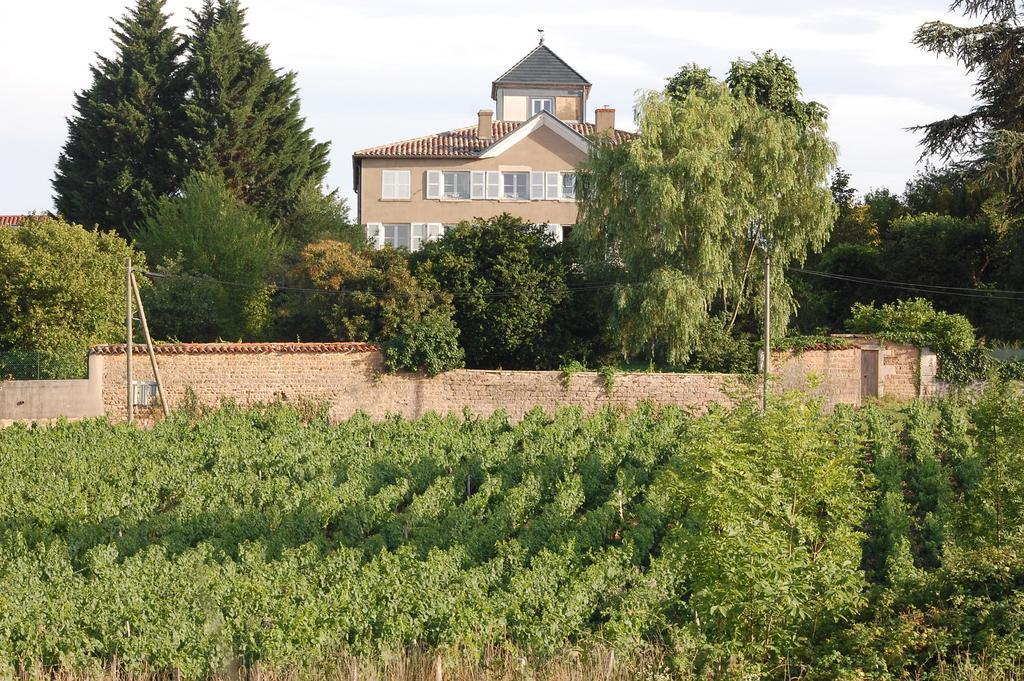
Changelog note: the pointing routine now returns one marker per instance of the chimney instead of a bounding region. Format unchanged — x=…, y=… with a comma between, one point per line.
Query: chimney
x=483, y=128
x=604, y=120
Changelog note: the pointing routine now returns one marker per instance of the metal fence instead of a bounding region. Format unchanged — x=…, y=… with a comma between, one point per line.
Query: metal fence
x=34, y=365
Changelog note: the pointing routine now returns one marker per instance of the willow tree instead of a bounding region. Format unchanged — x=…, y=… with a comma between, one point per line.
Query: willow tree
x=684, y=214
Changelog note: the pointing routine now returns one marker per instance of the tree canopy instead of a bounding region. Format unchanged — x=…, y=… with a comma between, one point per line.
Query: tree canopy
x=242, y=115
x=686, y=210
x=123, y=150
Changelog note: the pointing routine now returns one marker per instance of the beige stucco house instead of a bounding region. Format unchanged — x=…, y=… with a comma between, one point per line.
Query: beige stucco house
x=521, y=160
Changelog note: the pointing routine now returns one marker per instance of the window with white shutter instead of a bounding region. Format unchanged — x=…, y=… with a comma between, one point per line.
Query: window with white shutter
x=418, y=234
x=493, y=184
x=569, y=186
x=536, y=186
x=435, y=230
x=555, y=231
x=435, y=184
x=515, y=186
x=478, y=184
x=551, y=191
x=375, y=234
x=396, y=184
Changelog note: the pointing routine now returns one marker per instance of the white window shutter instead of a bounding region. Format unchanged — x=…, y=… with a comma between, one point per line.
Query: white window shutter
x=553, y=191
x=387, y=184
x=435, y=183
x=477, y=184
x=403, y=184
x=536, y=186
x=556, y=232
x=493, y=184
x=418, y=231
x=375, y=234
x=435, y=230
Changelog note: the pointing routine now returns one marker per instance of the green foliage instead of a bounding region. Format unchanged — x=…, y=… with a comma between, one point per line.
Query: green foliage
x=62, y=289
x=771, y=81
x=123, y=151
x=217, y=256
x=429, y=344
x=570, y=369
x=373, y=296
x=242, y=115
x=769, y=541
x=914, y=321
x=320, y=217
x=607, y=372
x=883, y=543
x=812, y=342
x=507, y=279
x=719, y=351
x=988, y=138
x=682, y=213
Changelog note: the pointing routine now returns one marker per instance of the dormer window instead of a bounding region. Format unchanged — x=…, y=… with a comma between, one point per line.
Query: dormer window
x=538, y=104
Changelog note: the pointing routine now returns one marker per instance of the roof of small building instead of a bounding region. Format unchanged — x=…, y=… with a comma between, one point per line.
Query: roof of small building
x=13, y=220
x=237, y=348
x=542, y=67
x=465, y=142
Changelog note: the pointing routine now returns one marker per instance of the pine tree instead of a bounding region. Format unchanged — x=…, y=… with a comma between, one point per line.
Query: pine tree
x=243, y=115
x=123, y=148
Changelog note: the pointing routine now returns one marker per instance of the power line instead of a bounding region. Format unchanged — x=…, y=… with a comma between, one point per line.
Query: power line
x=978, y=293
x=930, y=289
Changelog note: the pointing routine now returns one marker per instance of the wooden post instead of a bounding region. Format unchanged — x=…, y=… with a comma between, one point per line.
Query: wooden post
x=149, y=346
x=128, y=339
x=438, y=669
x=767, y=325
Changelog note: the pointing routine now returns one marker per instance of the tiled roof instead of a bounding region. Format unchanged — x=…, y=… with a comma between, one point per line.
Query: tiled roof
x=542, y=67
x=464, y=142
x=13, y=220
x=237, y=348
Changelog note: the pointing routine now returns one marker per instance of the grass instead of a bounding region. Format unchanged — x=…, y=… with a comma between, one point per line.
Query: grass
x=415, y=666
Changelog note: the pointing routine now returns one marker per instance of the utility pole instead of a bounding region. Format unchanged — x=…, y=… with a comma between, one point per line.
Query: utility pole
x=149, y=346
x=128, y=338
x=767, y=325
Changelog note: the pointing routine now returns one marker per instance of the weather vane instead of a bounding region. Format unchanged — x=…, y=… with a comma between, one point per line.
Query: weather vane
x=540, y=36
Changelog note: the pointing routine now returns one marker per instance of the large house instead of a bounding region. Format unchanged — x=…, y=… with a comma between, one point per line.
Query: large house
x=520, y=160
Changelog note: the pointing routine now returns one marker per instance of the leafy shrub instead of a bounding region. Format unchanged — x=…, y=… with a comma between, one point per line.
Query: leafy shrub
x=507, y=279
x=429, y=344
x=719, y=351
x=916, y=322
x=62, y=289
x=219, y=255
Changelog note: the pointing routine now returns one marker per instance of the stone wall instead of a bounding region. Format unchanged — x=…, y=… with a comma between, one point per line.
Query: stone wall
x=905, y=372
x=350, y=378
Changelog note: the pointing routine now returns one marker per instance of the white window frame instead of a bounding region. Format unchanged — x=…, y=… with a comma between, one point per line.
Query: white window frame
x=375, y=233
x=536, y=185
x=477, y=185
x=520, y=186
x=542, y=101
x=395, y=238
x=561, y=186
x=435, y=230
x=552, y=186
x=493, y=185
x=455, y=175
x=396, y=185
x=417, y=235
x=435, y=184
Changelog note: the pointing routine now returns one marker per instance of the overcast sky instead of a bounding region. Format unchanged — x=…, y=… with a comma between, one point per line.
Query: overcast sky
x=376, y=72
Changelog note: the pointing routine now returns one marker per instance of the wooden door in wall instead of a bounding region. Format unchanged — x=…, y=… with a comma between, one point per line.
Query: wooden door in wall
x=868, y=374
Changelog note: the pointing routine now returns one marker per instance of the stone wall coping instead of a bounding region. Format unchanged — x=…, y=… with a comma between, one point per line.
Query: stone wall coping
x=238, y=348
